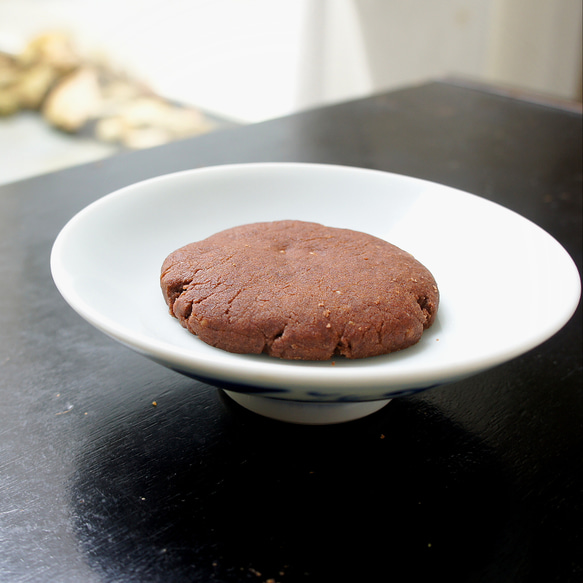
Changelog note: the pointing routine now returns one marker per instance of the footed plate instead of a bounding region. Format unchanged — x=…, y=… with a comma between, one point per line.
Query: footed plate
x=505, y=284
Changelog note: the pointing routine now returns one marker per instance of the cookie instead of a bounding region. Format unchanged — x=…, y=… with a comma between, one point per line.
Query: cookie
x=299, y=290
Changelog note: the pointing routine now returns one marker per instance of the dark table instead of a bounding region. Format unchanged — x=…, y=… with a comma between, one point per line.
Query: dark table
x=476, y=481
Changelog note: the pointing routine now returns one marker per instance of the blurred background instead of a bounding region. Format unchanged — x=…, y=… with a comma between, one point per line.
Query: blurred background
x=80, y=80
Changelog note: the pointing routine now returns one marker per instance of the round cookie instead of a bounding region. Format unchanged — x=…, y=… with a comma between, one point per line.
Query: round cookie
x=299, y=290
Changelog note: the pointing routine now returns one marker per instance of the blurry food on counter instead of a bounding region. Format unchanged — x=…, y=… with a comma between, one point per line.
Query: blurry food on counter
x=78, y=95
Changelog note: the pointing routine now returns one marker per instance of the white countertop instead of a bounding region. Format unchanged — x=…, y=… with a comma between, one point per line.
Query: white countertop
x=28, y=147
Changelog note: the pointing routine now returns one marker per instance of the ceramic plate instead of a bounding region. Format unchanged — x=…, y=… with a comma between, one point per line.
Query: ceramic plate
x=505, y=284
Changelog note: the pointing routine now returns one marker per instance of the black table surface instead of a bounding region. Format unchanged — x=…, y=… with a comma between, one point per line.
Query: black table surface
x=480, y=480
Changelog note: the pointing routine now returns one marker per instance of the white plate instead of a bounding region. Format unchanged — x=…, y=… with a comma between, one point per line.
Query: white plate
x=505, y=284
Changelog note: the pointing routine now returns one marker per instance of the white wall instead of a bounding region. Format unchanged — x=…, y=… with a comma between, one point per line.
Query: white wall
x=537, y=45
x=528, y=44
x=256, y=59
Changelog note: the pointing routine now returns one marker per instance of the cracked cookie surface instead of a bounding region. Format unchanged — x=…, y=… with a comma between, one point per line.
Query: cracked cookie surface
x=299, y=290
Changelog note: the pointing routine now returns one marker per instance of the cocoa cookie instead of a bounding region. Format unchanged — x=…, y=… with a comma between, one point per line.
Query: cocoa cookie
x=299, y=290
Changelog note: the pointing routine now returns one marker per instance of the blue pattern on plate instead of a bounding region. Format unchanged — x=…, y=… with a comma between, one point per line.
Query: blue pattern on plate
x=313, y=396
